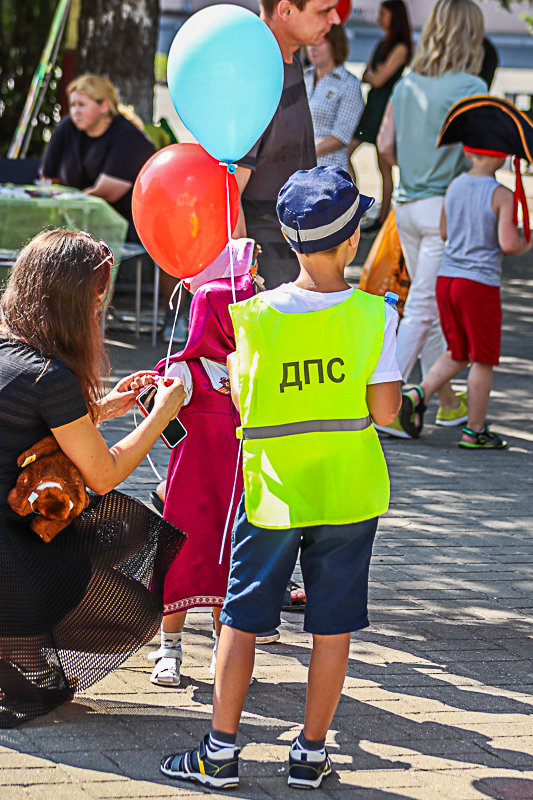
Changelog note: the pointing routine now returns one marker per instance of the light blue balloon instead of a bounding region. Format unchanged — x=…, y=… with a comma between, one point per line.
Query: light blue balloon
x=225, y=77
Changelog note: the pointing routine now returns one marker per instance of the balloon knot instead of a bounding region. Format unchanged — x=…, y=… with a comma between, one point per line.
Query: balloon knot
x=230, y=167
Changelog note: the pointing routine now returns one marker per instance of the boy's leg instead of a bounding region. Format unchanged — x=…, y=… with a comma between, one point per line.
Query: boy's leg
x=235, y=663
x=327, y=670
x=479, y=386
x=335, y=561
x=261, y=564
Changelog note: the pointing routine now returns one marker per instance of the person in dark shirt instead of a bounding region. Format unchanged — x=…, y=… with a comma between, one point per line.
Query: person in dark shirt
x=288, y=143
x=99, y=147
x=75, y=607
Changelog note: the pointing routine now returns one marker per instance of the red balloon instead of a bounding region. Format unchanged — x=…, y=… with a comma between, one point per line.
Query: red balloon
x=179, y=208
x=344, y=9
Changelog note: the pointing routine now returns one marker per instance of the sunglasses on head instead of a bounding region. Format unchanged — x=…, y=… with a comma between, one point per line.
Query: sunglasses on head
x=105, y=251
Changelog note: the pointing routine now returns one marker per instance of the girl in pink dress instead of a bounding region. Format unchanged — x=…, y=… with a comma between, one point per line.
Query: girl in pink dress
x=203, y=479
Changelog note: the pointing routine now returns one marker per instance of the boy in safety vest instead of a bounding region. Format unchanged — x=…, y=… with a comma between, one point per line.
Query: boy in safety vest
x=315, y=365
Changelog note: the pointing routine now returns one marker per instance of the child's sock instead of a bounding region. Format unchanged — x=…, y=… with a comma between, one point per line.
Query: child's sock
x=314, y=746
x=221, y=744
x=171, y=640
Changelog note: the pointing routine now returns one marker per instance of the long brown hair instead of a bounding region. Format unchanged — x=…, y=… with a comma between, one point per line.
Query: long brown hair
x=400, y=29
x=51, y=302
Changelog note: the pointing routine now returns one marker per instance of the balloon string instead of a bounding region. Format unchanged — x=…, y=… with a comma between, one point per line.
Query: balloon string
x=230, y=248
x=179, y=287
x=230, y=509
x=154, y=469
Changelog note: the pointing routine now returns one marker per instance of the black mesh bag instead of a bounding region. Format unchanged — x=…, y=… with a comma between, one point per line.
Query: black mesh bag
x=73, y=609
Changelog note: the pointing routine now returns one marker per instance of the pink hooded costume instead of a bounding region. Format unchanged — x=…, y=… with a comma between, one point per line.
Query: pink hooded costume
x=201, y=470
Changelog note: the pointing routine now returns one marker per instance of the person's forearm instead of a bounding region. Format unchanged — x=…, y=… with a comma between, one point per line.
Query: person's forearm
x=328, y=144
x=240, y=227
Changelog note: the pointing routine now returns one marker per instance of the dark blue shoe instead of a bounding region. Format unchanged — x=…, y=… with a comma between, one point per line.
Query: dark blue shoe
x=307, y=769
x=194, y=765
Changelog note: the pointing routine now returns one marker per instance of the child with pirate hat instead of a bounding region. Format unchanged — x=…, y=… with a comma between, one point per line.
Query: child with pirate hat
x=479, y=224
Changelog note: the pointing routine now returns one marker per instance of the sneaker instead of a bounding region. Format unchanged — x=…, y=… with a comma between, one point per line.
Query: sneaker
x=307, y=769
x=454, y=416
x=268, y=637
x=195, y=765
x=166, y=671
x=483, y=440
x=180, y=331
x=393, y=429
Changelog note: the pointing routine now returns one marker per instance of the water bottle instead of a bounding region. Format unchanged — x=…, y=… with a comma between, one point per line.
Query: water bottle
x=391, y=298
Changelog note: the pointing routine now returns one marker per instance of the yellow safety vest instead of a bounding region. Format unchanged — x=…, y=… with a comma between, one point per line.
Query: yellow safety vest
x=310, y=453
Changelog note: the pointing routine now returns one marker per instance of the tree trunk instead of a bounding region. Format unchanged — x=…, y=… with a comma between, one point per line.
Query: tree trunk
x=117, y=39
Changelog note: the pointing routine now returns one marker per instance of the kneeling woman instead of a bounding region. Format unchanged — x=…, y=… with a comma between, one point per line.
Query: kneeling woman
x=76, y=607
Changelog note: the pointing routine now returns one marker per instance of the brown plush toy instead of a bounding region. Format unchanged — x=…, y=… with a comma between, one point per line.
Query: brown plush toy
x=50, y=485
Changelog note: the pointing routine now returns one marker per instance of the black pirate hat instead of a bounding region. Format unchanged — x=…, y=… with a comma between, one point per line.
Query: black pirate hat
x=494, y=127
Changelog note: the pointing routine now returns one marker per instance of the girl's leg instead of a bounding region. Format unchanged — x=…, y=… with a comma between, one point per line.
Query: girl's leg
x=479, y=386
x=168, y=658
x=386, y=190
x=216, y=617
x=217, y=627
x=443, y=370
x=162, y=490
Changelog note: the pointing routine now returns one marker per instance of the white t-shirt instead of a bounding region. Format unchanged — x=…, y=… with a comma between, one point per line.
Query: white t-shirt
x=291, y=299
x=217, y=374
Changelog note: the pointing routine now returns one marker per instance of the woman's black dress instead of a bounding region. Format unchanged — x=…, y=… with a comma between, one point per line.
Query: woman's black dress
x=73, y=609
x=376, y=101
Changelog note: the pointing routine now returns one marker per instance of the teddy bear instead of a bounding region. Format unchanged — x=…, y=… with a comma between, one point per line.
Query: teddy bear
x=49, y=485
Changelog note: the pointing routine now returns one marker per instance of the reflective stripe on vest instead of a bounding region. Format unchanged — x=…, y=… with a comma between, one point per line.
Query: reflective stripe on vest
x=309, y=426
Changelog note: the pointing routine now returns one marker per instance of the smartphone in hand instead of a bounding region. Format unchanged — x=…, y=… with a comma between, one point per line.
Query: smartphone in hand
x=174, y=433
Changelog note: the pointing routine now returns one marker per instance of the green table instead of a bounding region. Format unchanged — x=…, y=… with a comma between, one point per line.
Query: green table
x=26, y=210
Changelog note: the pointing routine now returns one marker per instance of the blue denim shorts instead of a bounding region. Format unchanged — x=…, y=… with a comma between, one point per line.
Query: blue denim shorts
x=334, y=561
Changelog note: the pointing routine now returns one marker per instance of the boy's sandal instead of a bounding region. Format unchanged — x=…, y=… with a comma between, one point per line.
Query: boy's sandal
x=482, y=440
x=408, y=410
x=291, y=600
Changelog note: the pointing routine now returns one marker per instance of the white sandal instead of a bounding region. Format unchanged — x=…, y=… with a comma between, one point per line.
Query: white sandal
x=166, y=671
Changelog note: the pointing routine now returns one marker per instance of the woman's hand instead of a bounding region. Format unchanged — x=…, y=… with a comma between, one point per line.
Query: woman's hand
x=168, y=399
x=104, y=468
x=123, y=396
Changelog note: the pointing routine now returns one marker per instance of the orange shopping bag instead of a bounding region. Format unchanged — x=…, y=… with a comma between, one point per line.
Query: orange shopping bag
x=384, y=269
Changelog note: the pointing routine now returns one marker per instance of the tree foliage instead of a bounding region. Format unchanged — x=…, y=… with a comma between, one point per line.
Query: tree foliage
x=24, y=25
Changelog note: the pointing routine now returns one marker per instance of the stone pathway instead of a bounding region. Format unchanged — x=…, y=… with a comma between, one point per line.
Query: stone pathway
x=439, y=693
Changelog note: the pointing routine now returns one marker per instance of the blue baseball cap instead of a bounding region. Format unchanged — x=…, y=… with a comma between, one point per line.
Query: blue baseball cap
x=320, y=208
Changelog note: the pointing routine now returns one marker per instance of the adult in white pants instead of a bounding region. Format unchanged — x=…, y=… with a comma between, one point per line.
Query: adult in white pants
x=447, y=59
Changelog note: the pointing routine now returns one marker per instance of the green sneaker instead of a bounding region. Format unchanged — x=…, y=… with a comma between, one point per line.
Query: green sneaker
x=393, y=429
x=454, y=416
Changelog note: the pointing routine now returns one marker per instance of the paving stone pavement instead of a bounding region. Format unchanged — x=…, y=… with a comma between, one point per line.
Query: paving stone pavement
x=439, y=693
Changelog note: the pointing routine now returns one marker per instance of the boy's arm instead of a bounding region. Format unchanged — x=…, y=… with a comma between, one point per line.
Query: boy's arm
x=232, y=363
x=443, y=228
x=384, y=401
x=510, y=238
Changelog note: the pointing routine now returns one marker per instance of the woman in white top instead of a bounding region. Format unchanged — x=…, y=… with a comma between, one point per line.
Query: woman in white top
x=444, y=69
x=334, y=97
